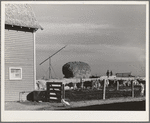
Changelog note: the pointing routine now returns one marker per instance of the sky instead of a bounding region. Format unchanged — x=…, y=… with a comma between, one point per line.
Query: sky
x=107, y=37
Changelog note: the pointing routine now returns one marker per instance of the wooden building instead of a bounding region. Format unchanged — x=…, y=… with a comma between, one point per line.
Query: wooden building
x=123, y=75
x=19, y=45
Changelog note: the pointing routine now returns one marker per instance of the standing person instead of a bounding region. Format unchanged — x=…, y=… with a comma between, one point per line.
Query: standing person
x=111, y=73
x=107, y=73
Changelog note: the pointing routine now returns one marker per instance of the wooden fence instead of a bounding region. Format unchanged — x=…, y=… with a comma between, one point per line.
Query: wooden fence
x=106, y=90
x=117, y=88
x=55, y=91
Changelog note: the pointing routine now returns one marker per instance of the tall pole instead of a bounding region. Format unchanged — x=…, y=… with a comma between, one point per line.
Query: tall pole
x=132, y=88
x=104, y=89
x=50, y=68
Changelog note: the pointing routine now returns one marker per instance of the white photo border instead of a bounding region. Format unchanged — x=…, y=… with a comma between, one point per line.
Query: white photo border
x=15, y=116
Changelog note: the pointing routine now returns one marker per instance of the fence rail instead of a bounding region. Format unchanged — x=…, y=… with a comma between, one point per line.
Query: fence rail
x=91, y=90
x=117, y=89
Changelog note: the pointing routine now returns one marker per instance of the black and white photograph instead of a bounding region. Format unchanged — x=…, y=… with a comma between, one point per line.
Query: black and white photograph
x=75, y=61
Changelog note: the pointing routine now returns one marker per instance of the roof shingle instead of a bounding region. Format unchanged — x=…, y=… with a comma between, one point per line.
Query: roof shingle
x=21, y=15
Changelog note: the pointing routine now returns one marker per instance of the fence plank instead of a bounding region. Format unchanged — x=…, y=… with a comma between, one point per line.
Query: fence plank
x=54, y=91
x=132, y=88
x=81, y=83
x=54, y=83
x=63, y=94
x=52, y=87
x=117, y=85
x=104, y=89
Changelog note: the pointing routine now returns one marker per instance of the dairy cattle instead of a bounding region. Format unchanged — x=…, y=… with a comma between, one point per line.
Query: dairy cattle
x=112, y=83
x=69, y=85
x=40, y=85
x=88, y=84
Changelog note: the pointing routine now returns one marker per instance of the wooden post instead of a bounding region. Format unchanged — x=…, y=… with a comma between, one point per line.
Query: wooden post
x=74, y=86
x=104, y=89
x=63, y=91
x=47, y=90
x=132, y=88
x=92, y=85
x=145, y=89
x=81, y=83
x=49, y=68
x=117, y=85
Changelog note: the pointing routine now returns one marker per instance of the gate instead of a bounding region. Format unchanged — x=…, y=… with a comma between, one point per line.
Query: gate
x=55, y=91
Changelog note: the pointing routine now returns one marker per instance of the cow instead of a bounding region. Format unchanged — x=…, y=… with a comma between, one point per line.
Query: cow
x=121, y=82
x=40, y=85
x=88, y=84
x=107, y=82
x=135, y=82
x=96, y=84
x=78, y=85
x=102, y=82
x=141, y=81
x=70, y=85
x=127, y=83
x=112, y=83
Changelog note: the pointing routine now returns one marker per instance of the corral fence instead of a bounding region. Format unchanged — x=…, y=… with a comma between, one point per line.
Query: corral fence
x=92, y=89
x=105, y=89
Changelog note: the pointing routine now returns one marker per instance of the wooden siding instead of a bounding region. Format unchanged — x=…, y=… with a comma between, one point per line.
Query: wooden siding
x=0, y=61
x=19, y=52
x=0, y=54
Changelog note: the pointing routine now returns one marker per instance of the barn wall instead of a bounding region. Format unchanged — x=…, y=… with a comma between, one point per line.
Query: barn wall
x=0, y=60
x=0, y=54
x=19, y=52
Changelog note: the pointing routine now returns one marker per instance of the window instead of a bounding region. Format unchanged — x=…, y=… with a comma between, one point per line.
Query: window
x=15, y=73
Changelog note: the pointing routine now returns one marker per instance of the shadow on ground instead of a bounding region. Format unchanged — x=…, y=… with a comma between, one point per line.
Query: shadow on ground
x=125, y=106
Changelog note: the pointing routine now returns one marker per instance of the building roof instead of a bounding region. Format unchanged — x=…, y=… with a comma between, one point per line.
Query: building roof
x=21, y=15
x=123, y=74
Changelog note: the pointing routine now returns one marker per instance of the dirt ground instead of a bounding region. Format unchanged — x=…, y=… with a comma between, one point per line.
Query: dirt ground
x=58, y=106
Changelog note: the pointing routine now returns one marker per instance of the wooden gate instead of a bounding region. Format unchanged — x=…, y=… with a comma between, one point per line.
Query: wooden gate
x=55, y=91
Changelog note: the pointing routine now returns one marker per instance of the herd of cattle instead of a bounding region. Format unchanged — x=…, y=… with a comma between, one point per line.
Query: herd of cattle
x=92, y=83
x=97, y=84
